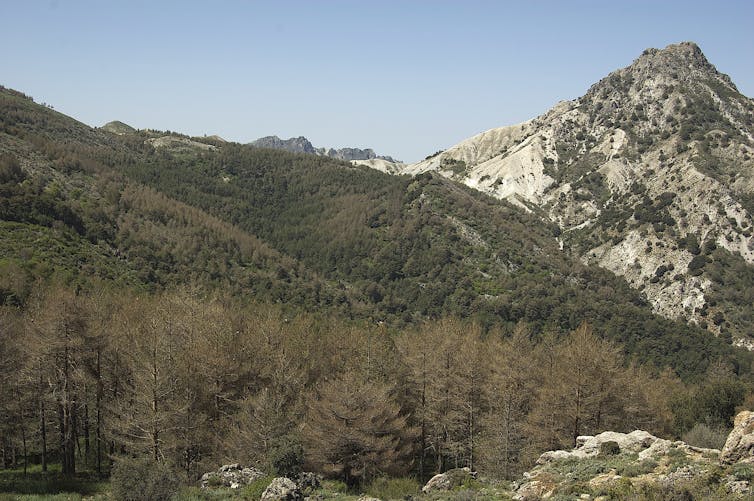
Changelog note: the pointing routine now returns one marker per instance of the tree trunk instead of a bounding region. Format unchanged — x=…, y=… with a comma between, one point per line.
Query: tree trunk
x=99, y=413
x=42, y=422
x=86, y=432
x=23, y=441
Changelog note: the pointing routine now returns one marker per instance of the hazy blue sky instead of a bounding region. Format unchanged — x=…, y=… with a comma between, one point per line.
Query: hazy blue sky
x=404, y=77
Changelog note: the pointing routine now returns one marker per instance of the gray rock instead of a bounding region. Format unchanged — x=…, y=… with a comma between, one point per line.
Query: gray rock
x=295, y=144
x=282, y=489
x=588, y=446
x=736, y=486
x=230, y=475
x=739, y=447
x=302, y=145
x=448, y=480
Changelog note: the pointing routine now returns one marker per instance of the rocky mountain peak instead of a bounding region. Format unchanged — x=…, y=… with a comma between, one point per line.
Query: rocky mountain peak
x=684, y=55
x=679, y=65
x=295, y=144
x=655, y=155
x=303, y=145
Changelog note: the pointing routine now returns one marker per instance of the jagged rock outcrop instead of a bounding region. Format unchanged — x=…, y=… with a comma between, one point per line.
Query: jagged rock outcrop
x=646, y=175
x=282, y=489
x=294, y=145
x=230, y=475
x=739, y=447
x=449, y=480
x=303, y=145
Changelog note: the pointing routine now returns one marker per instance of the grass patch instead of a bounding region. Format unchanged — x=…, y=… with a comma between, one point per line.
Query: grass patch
x=199, y=494
x=50, y=483
x=393, y=488
x=254, y=490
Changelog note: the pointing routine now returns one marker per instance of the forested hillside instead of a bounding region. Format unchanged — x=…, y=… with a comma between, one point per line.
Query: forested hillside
x=199, y=302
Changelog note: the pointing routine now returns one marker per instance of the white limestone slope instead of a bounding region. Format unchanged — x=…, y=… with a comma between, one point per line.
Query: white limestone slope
x=382, y=165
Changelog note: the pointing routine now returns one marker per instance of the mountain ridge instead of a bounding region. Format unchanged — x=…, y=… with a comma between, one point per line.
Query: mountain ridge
x=310, y=232
x=600, y=167
x=303, y=145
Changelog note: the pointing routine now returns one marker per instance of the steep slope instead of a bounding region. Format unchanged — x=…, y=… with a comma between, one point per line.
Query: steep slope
x=67, y=217
x=650, y=174
x=303, y=230
x=407, y=249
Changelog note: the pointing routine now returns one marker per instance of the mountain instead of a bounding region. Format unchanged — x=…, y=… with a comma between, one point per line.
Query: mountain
x=91, y=208
x=650, y=174
x=302, y=145
x=294, y=145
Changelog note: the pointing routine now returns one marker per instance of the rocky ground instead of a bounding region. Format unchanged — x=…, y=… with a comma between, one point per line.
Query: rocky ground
x=608, y=466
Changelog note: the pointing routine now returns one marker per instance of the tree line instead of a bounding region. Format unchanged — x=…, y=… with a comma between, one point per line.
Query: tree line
x=194, y=382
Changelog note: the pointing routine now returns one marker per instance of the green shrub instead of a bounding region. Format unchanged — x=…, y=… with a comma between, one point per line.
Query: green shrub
x=287, y=457
x=254, y=490
x=709, y=437
x=143, y=478
x=743, y=472
x=393, y=488
x=610, y=448
x=634, y=469
x=620, y=489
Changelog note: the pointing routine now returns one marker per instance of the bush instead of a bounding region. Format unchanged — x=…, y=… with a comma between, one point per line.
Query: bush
x=743, y=471
x=287, y=457
x=143, y=478
x=709, y=437
x=634, y=469
x=393, y=488
x=610, y=448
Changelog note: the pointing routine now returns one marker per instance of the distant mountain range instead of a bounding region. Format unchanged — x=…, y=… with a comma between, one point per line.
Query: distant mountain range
x=302, y=145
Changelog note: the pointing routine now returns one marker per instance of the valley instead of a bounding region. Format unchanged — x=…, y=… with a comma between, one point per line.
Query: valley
x=170, y=304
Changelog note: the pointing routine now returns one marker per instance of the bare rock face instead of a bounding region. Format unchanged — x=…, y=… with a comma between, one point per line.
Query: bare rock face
x=739, y=447
x=448, y=480
x=282, y=489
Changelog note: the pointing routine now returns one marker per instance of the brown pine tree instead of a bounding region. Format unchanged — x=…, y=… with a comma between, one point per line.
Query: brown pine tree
x=580, y=393
x=354, y=430
x=510, y=392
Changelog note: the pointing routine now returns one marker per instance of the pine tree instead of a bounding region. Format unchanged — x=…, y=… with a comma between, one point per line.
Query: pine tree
x=510, y=392
x=354, y=429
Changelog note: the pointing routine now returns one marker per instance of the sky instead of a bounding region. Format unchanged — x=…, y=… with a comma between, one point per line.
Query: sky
x=406, y=78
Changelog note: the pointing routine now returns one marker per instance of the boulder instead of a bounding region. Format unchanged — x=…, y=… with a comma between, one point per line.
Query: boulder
x=230, y=475
x=448, y=480
x=282, y=489
x=588, y=446
x=739, y=447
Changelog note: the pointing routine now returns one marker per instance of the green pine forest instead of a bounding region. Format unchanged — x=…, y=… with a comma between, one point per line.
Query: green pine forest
x=196, y=307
